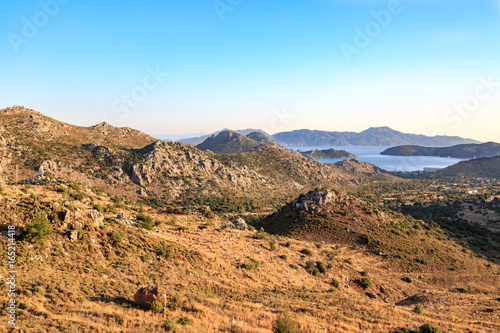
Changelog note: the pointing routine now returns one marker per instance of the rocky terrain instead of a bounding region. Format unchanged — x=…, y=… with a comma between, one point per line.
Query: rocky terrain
x=98, y=262
x=132, y=164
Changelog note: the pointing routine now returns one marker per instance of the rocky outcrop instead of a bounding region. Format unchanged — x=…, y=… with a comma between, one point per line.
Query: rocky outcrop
x=146, y=295
x=239, y=224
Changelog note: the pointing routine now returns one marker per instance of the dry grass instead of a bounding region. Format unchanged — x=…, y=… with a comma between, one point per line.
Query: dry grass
x=89, y=284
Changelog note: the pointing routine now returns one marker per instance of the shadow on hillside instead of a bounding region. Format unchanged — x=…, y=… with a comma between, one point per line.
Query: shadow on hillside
x=117, y=300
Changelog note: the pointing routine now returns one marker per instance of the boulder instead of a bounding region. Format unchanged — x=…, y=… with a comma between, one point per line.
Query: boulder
x=73, y=235
x=239, y=224
x=146, y=295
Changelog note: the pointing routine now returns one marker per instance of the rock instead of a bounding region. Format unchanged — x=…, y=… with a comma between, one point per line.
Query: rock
x=97, y=219
x=146, y=295
x=142, y=192
x=120, y=215
x=239, y=224
x=73, y=235
x=371, y=295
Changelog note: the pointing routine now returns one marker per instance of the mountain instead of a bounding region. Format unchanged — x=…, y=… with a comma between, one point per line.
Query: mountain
x=487, y=167
x=467, y=151
x=131, y=164
x=374, y=136
x=228, y=142
x=327, y=153
x=194, y=141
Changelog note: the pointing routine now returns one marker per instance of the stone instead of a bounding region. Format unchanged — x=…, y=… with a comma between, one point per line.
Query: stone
x=371, y=295
x=73, y=235
x=146, y=295
x=120, y=215
x=239, y=224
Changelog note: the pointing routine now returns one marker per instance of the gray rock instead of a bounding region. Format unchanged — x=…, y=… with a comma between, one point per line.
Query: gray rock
x=239, y=224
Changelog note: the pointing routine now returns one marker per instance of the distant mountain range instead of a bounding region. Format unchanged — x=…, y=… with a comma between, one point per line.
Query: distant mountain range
x=199, y=139
x=374, y=136
x=488, y=149
x=229, y=142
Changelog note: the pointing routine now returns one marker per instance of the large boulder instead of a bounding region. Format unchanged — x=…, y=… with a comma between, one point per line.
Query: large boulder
x=239, y=224
x=146, y=295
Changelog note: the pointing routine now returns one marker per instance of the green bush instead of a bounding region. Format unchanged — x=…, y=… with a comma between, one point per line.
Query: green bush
x=273, y=245
x=366, y=282
x=430, y=328
x=165, y=251
x=285, y=324
x=39, y=229
x=170, y=326
x=407, y=279
x=283, y=256
x=185, y=321
x=146, y=221
x=307, y=252
x=335, y=282
x=310, y=264
x=321, y=267
x=418, y=309
x=39, y=290
x=349, y=261
x=156, y=307
x=116, y=236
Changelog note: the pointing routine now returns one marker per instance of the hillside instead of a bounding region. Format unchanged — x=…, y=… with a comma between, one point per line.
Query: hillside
x=81, y=275
x=327, y=153
x=488, y=167
x=131, y=164
x=465, y=151
x=228, y=142
x=374, y=136
x=194, y=141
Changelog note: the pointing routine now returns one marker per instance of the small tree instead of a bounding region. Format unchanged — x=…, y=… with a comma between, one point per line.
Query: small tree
x=39, y=229
x=285, y=324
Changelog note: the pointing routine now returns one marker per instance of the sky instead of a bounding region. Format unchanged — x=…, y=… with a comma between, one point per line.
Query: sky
x=185, y=66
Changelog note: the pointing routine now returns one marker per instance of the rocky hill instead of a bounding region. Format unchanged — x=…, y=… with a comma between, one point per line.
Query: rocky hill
x=82, y=256
x=131, y=164
x=465, y=151
x=327, y=153
x=228, y=142
x=194, y=141
x=374, y=136
x=488, y=167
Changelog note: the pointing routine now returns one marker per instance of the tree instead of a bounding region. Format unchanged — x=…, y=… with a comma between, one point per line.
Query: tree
x=39, y=229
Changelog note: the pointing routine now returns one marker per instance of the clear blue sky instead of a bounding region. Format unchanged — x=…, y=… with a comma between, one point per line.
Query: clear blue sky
x=275, y=65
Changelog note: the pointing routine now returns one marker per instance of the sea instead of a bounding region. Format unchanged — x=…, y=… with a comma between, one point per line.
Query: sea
x=371, y=154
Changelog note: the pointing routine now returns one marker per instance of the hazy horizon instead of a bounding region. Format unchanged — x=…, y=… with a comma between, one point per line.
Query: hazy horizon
x=171, y=67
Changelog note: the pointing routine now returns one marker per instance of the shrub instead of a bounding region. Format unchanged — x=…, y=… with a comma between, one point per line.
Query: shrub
x=364, y=273
x=366, y=282
x=310, y=264
x=288, y=244
x=349, y=261
x=430, y=328
x=273, y=245
x=39, y=290
x=116, y=236
x=170, y=326
x=252, y=264
x=307, y=252
x=294, y=267
x=283, y=256
x=156, y=307
x=418, y=309
x=407, y=279
x=185, y=321
x=77, y=196
x=285, y=324
x=321, y=267
x=335, y=282
x=146, y=221
x=165, y=251
x=39, y=229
